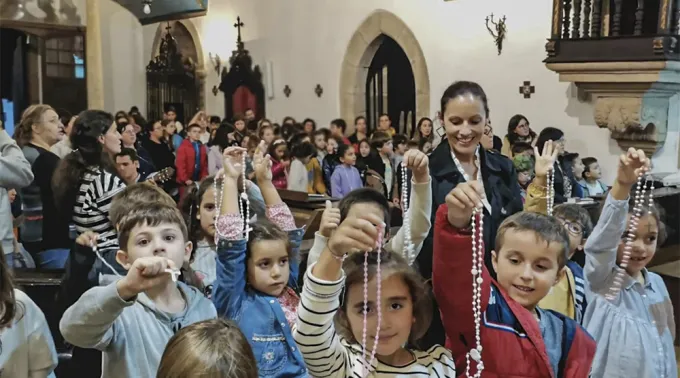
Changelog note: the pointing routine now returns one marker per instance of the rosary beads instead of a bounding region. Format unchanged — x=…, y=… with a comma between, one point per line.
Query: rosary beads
x=378, y=277
x=477, y=280
x=406, y=224
x=638, y=203
x=551, y=189
x=243, y=197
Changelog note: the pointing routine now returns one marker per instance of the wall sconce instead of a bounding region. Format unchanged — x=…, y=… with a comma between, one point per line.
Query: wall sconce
x=146, y=6
x=318, y=90
x=216, y=62
x=499, y=33
x=287, y=91
x=215, y=90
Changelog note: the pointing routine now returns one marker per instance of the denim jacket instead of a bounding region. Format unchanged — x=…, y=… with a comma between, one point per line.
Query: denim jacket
x=259, y=316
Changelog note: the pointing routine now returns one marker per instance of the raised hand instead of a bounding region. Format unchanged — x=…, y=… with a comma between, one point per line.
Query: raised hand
x=87, y=239
x=262, y=164
x=418, y=163
x=631, y=164
x=144, y=274
x=330, y=220
x=545, y=161
x=356, y=234
x=233, y=161
x=462, y=201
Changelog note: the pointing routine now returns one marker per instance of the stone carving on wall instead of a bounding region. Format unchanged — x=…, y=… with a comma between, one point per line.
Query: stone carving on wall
x=64, y=12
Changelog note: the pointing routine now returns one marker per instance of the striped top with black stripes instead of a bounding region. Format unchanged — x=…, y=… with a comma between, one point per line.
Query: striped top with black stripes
x=91, y=210
x=329, y=355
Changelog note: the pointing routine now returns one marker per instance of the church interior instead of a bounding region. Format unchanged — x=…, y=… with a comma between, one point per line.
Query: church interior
x=601, y=75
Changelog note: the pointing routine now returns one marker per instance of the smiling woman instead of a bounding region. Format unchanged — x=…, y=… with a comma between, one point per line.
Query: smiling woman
x=40, y=128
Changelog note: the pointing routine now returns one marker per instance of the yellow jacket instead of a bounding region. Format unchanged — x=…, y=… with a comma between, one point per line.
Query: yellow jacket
x=315, y=185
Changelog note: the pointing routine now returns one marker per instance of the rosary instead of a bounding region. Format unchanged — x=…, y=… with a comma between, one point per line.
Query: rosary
x=406, y=224
x=174, y=274
x=368, y=364
x=243, y=197
x=638, y=203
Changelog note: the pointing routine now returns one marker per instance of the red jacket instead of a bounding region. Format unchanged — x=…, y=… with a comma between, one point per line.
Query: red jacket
x=279, y=175
x=511, y=337
x=186, y=160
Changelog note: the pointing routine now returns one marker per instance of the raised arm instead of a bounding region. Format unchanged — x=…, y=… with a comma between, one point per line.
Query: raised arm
x=537, y=192
x=15, y=170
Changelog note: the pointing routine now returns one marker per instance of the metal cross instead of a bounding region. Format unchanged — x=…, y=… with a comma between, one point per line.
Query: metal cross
x=527, y=89
x=239, y=24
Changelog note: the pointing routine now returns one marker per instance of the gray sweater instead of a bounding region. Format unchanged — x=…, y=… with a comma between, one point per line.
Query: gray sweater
x=131, y=334
x=15, y=173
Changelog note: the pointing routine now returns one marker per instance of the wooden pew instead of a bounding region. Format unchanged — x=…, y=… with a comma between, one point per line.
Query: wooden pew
x=306, y=209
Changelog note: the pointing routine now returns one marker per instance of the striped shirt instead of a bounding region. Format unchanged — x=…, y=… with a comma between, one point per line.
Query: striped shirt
x=329, y=355
x=91, y=210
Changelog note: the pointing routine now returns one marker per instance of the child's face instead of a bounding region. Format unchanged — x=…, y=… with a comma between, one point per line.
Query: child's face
x=349, y=158
x=194, y=134
x=594, y=171
x=427, y=147
x=305, y=160
x=644, y=244
x=240, y=125
x=331, y=146
x=244, y=141
x=268, y=135
x=280, y=151
x=577, y=168
x=575, y=231
x=335, y=130
x=364, y=149
x=206, y=213
x=165, y=240
x=397, y=314
x=401, y=149
x=268, y=266
x=523, y=178
x=387, y=148
x=320, y=142
x=527, y=268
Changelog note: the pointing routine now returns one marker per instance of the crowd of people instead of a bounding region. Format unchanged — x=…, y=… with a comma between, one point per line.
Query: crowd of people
x=182, y=260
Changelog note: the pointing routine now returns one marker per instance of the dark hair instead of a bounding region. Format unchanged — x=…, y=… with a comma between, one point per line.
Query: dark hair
x=575, y=213
x=302, y=150
x=587, y=161
x=134, y=196
x=339, y=122
x=519, y=147
x=286, y=119
x=324, y=132
x=422, y=142
x=420, y=134
x=460, y=88
x=272, y=148
x=210, y=348
x=150, y=125
x=128, y=152
x=379, y=138
x=309, y=120
x=358, y=118
x=549, y=133
x=342, y=149
x=31, y=116
x=547, y=229
x=570, y=157
x=215, y=119
x=384, y=115
x=398, y=139
x=512, y=125
x=171, y=108
x=133, y=110
x=265, y=230
x=10, y=308
x=88, y=152
x=193, y=126
x=221, y=138
x=287, y=131
x=297, y=139
x=364, y=195
x=390, y=264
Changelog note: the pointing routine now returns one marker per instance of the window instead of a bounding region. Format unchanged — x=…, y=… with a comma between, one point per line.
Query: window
x=65, y=57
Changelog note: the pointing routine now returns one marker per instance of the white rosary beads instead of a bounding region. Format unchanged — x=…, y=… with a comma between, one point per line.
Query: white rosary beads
x=477, y=280
x=242, y=197
x=638, y=203
x=173, y=272
x=378, y=277
x=551, y=189
x=406, y=224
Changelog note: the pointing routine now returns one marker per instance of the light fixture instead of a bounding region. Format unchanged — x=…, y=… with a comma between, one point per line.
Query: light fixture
x=147, y=6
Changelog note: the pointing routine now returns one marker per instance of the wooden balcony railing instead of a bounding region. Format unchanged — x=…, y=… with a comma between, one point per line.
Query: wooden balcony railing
x=614, y=30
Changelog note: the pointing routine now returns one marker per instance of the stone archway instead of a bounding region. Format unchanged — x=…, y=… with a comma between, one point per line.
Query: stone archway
x=189, y=42
x=360, y=52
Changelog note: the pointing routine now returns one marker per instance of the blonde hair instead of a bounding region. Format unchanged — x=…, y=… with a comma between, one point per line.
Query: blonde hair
x=31, y=116
x=209, y=349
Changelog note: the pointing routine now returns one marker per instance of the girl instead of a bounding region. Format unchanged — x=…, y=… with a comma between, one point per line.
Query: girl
x=266, y=133
x=635, y=331
x=406, y=311
x=309, y=126
x=26, y=345
x=363, y=158
x=330, y=161
x=198, y=210
x=42, y=233
x=216, y=146
x=256, y=276
x=279, y=155
x=211, y=348
x=345, y=177
x=518, y=131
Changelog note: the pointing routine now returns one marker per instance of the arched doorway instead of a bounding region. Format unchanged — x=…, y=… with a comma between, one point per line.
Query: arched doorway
x=361, y=51
x=391, y=87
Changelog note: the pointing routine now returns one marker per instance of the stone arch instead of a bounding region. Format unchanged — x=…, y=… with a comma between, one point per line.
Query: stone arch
x=359, y=54
x=185, y=31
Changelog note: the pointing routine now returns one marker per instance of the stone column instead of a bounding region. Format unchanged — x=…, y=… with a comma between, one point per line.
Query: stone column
x=93, y=48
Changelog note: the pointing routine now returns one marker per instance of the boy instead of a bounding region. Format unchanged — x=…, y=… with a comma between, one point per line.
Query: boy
x=192, y=159
x=518, y=338
x=399, y=145
x=132, y=319
x=361, y=201
x=524, y=167
x=338, y=128
x=591, y=184
x=382, y=162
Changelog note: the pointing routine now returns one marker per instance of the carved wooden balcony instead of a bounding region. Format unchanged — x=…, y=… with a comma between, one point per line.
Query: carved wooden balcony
x=625, y=53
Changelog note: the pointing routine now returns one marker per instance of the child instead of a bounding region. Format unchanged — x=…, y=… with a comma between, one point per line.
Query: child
x=524, y=167
x=320, y=141
x=591, y=184
x=382, y=163
x=568, y=295
x=211, y=348
x=338, y=128
x=256, y=276
x=191, y=169
x=345, y=177
x=331, y=161
x=298, y=177
x=635, y=331
x=363, y=158
x=334, y=290
x=132, y=319
x=399, y=143
x=26, y=345
x=425, y=145
x=279, y=156
x=362, y=201
x=266, y=133
x=518, y=338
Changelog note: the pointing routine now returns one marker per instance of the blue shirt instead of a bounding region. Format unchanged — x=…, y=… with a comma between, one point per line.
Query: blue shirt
x=197, y=161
